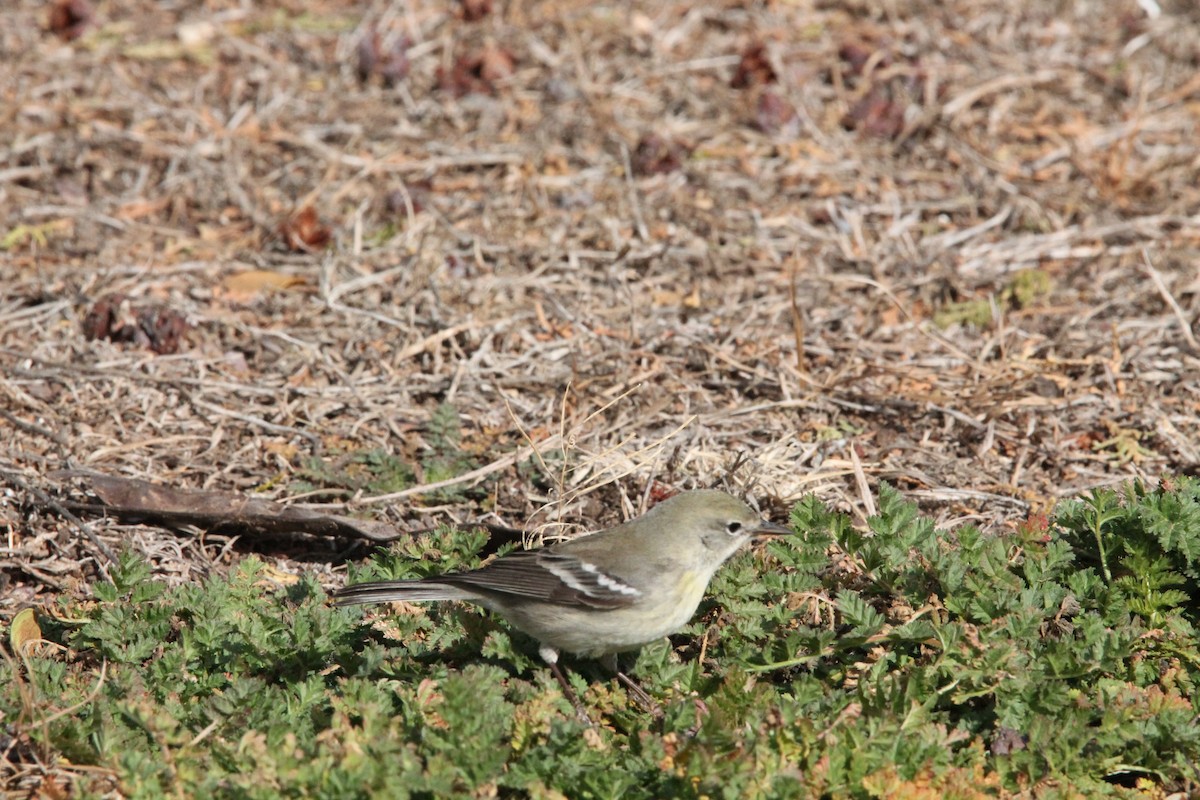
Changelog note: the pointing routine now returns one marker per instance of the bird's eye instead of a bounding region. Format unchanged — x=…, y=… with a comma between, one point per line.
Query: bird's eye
x=733, y=527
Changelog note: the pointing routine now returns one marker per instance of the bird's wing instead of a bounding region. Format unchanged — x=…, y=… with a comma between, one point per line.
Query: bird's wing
x=548, y=576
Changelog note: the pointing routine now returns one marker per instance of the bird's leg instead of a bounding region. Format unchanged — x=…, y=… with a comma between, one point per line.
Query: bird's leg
x=638, y=694
x=550, y=656
x=580, y=711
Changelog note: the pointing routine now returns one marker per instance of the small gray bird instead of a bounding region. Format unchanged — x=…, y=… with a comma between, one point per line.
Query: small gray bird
x=602, y=593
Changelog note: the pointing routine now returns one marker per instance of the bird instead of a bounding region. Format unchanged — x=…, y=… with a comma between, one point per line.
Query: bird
x=601, y=593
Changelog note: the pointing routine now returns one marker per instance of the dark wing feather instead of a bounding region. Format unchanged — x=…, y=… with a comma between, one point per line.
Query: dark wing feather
x=550, y=577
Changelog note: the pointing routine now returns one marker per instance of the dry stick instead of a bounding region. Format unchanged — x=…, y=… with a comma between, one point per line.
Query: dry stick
x=65, y=513
x=797, y=320
x=643, y=231
x=972, y=96
x=1073, y=242
x=860, y=477
x=568, y=443
x=72, y=709
x=944, y=242
x=29, y=427
x=525, y=435
x=204, y=734
x=659, y=442
x=611, y=403
x=1156, y=276
x=921, y=329
x=467, y=477
x=565, y=441
x=640, y=696
x=441, y=336
x=542, y=462
x=399, y=164
x=253, y=420
x=336, y=293
x=106, y=372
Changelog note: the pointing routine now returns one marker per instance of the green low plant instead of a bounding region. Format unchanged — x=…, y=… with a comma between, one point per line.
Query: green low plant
x=1056, y=660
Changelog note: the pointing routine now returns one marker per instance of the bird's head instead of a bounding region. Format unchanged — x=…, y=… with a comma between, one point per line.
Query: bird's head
x=711, y=524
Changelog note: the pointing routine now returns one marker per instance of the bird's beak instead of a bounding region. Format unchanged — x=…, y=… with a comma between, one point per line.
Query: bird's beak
x=771, y=529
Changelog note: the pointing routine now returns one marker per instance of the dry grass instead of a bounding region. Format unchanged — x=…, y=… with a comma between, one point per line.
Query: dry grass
x=516, y=254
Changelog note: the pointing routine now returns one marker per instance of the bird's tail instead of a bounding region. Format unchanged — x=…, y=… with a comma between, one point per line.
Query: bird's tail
x=389, y=591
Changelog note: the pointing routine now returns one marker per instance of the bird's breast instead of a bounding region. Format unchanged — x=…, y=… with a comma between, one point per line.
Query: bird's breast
x=679, y=604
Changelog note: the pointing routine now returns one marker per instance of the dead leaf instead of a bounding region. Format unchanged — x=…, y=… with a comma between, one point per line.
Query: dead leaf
x=478, y=72
x=243, y=286
x=154, y=326
x=418, y=193
x=137, y=209
x=877, y=114
x=754, y=69
x=475, y=10
x=657, y=155
x=776, y=116
x=24, y=631
x=667, y=298
x=386, y=57
x=304, y=232
x=69, y=19
x=285, y=450
x=858, y=54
